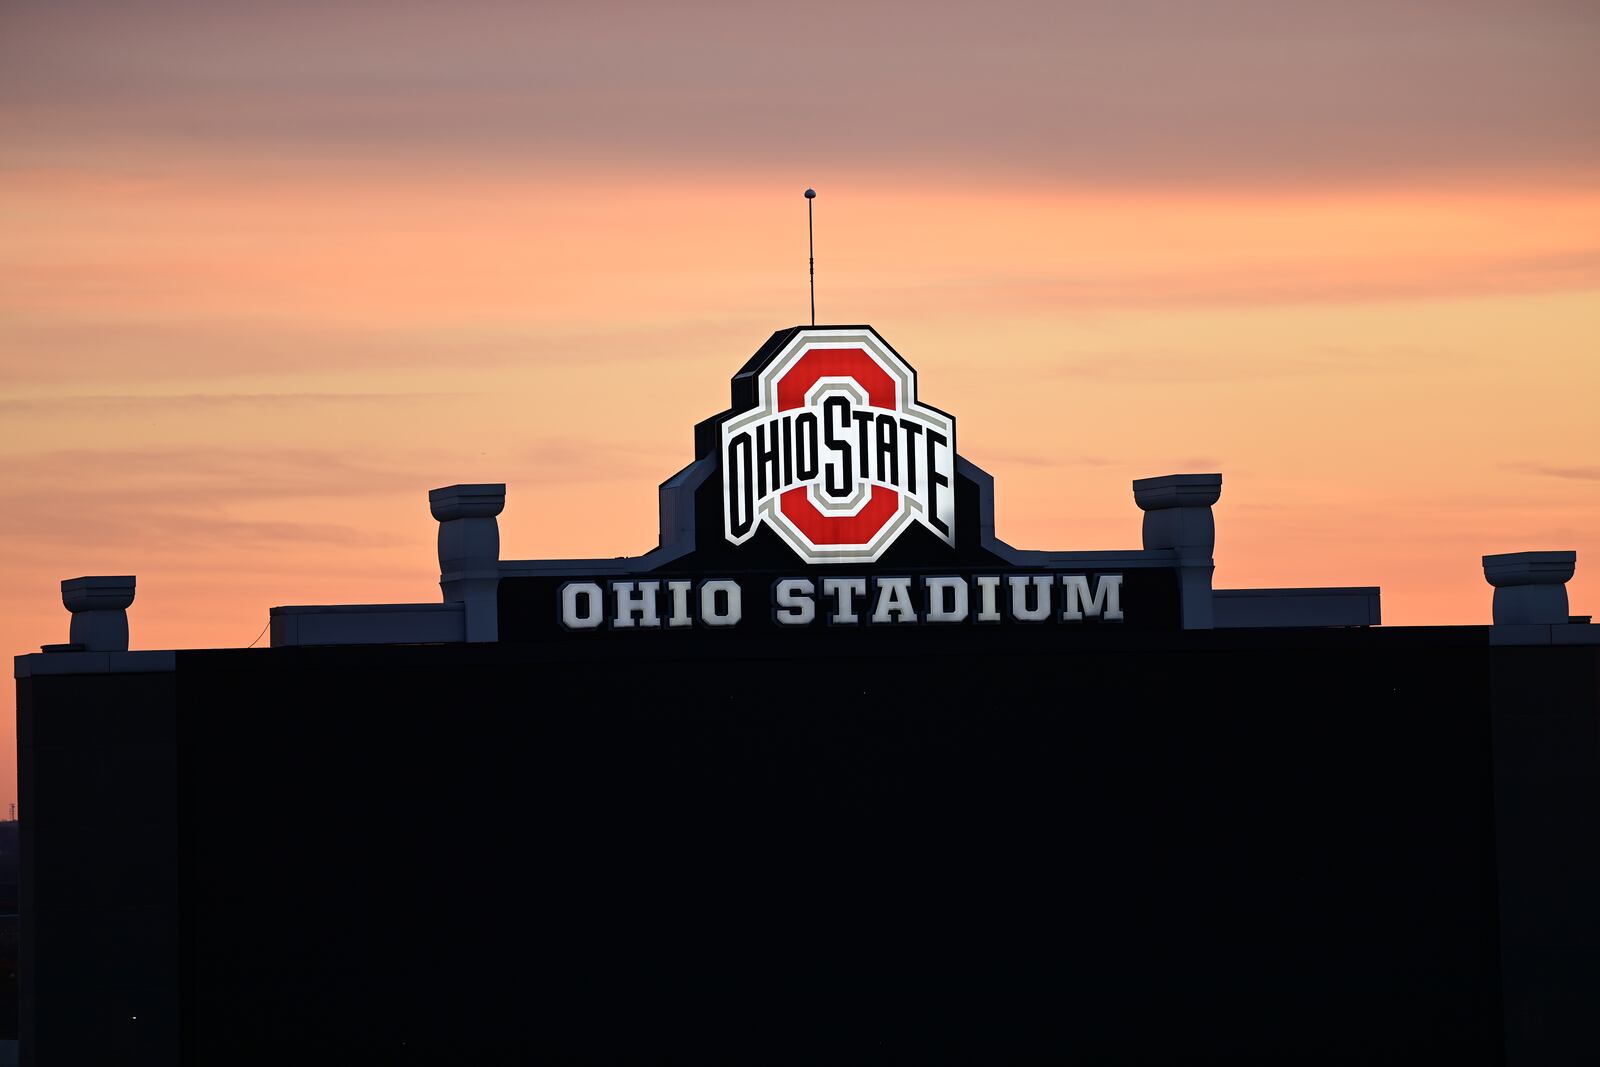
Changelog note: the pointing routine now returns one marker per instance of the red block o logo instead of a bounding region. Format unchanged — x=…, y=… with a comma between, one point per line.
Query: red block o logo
x=838, y=457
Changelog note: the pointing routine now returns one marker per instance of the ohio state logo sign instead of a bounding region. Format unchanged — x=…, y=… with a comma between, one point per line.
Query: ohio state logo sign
x=838, y=457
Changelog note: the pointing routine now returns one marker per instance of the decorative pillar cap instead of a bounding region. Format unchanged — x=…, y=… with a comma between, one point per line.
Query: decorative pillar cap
x=97, y=592
x=482, y=500
x=1177, y=491
x=1529, y=568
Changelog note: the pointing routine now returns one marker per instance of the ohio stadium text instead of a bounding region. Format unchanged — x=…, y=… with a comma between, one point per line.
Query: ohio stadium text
x=845, y=601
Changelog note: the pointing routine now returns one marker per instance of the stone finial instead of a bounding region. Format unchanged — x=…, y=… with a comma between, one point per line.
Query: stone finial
x=99, y=606
x=1177, y=516
x=481, y=501
x=1177, y=510
x=1177, y=491
x=1530, y=588
x=469, y=552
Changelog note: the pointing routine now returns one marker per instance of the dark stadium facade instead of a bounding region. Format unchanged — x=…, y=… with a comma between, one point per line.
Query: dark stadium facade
x=832, y=774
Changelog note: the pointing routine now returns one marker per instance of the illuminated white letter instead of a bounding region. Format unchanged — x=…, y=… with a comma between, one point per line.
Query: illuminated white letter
x=841, y=589
x=708, y=603
x=1107, y=595
x=988, y=598
x=679, y=588
x=629, y=602
x=594, y=609
x=936, y=599
x=792, y=602
x=1019, y=597
x=894, y=601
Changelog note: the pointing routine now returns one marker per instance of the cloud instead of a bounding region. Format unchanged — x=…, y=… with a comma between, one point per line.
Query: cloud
x=1579, y=473
x=1033, y=459
x=202, y=506
x=1317, y=279
x=1175, y=368
x=203, y=478
x=1128, y=91
x=192, y=402
x=165, y=526
x=103, y=345
x=564, y=459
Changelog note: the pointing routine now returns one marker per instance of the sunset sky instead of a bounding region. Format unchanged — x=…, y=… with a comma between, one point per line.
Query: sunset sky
x=269, y=272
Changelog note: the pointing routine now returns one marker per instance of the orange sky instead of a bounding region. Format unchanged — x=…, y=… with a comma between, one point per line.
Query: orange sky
x=269, y=274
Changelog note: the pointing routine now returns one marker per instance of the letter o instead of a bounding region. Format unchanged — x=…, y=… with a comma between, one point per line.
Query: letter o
x=594, y=609
x=708, y=603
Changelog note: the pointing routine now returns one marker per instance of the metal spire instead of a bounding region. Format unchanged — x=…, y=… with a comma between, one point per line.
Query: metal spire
x=811, y=242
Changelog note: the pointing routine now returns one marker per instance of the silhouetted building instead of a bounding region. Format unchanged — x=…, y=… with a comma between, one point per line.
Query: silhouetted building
x=831, y=775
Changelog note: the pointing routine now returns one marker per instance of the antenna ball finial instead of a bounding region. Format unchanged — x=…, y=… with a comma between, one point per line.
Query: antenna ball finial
x=811, y=194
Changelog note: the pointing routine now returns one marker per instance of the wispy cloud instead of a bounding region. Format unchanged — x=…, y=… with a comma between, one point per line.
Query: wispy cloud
x=1173, y=367
x=1548, y=470
x=1128, y=92
x=180, y=402
x=565, y=459
x=1314, y=280
x=167, y=527
x=1039, y=459
x=38, y=347
x=205, y=477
